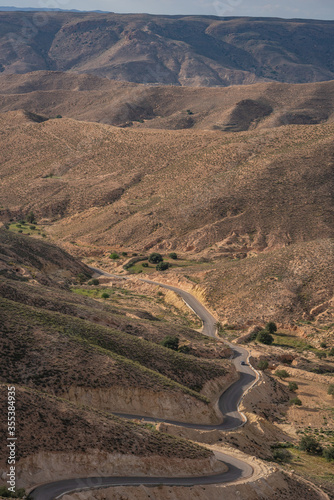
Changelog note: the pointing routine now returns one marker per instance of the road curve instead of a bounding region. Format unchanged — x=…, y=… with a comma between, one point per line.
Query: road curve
x=228, y=405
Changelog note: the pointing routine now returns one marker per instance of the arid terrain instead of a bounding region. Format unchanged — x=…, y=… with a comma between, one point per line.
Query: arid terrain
x=173, y=50
x=112, y=147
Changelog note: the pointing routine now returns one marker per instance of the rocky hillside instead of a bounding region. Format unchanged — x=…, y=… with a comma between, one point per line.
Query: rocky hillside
x=232, y=109
x=175, y=50
x=237, y=194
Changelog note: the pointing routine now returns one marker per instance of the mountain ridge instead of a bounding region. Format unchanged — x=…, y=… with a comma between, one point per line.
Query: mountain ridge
x=175, y=50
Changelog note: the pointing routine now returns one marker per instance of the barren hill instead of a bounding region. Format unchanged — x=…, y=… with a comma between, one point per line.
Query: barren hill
x=182, y=190
x=233, y=109
x=174, y=50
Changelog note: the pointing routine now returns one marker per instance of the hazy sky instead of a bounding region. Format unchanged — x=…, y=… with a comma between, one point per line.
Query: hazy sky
x=314, y=9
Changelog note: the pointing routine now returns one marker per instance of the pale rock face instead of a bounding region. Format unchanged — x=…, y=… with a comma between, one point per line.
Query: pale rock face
x=47, y=467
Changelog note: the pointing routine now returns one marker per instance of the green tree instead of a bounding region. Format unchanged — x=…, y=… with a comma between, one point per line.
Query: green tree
x=293, y=386
x=173, y=255
x=262, y=364
x=31, y=217
x=171, y=342
x=310, y=445
x=264, y=337
x=162, y=266
x=94, y=282
x=105, y=295
x=282, y=374
x=155, y=258
x=271, y=327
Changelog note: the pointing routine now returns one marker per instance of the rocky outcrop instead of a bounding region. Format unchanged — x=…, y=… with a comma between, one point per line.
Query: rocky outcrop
x=144, y=402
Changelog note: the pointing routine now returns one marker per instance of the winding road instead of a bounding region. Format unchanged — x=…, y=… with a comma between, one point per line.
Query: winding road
x=228, y=405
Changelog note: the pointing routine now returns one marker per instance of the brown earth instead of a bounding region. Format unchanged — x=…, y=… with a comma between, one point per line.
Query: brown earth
x=233, y=109
x=173, y=50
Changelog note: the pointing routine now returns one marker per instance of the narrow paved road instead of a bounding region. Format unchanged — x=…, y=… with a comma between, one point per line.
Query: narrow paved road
x=228, y=405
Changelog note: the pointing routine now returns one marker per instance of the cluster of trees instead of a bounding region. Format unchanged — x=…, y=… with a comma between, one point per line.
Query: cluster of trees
x=157, y=258
x=265, y=335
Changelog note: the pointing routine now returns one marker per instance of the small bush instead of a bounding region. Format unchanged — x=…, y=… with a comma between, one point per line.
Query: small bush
x=145, y=264
x=185, y=349
x=105, y=295
x=20, y=231
x=323, y=345
x=59, y=116
x=114, y=256
x=310, y=445
x=282, y=374
x=124, y=254
x=82, y=278
x=331, y=352
x=262, y=364
x=321, y=355
x=32, y=227
x=295, y=401
x=189, y=112
x=171, y=342
x=155, y=258
x=94, y=282
x=293, y=386
x=173, y=255
x=282, y=455
x=264, y=337
x=162, y=266
x=328, y=453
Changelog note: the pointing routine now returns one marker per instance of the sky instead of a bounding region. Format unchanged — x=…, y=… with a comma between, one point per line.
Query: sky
x=305, y=9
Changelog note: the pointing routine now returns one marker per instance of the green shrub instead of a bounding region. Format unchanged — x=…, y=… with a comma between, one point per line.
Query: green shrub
x=105, y=295
x=114, y=256
x=189, y=112
x=94, y=282
x=262, y=364
x=20, y=231
x=162, y=266
x=145, y=264
x=293, y=386
x=82, y=278
x=310, y=445
x=185, y=349
x=155, y=258
x=282, y=374
x=264, y=337
x=282, y=455
x=331, y=352
x=124, y=254
x=171, y=342
x=271, y=327
x=328, y=453
x=295, y=401
x=32, y=227
x=173, y=255
x=321, y=355
x=330, y=390
x=323, y=345
x=59, y=116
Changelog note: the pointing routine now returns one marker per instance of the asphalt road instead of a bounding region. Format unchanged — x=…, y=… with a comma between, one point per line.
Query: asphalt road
x=228, y=405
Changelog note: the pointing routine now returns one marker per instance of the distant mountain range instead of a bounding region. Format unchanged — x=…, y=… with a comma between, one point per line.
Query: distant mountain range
x=173, y=50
